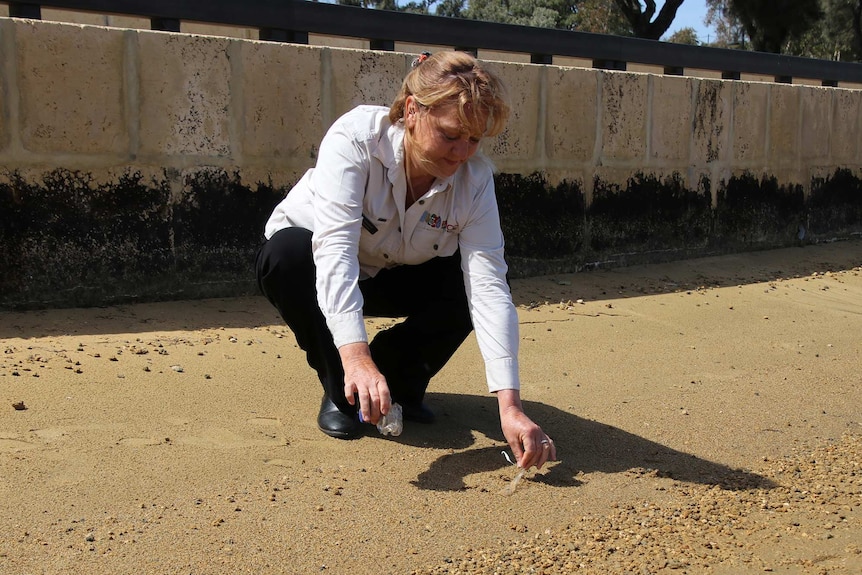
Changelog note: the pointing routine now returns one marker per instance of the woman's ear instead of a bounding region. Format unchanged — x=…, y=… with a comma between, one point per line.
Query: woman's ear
x=410, y=107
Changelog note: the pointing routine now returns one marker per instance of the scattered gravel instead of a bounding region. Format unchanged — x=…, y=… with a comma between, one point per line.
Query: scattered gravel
x=813, y=509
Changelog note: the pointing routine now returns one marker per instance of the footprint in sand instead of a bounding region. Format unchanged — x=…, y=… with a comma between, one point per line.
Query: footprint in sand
x=265, y=421
x=50, y=434
x=11, y=444
x=267, y=434
x=139, y=441
x=223, y=438
x=77, y=432
x=45, y=436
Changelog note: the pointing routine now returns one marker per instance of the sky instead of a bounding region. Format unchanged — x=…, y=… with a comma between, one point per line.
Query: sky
x=691, y=15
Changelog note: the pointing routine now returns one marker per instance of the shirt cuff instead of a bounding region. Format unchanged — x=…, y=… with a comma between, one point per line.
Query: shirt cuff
x=502, y=374
x=347, y=328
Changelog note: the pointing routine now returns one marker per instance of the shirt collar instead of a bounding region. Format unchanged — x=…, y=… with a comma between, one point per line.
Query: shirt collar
x=390, y=150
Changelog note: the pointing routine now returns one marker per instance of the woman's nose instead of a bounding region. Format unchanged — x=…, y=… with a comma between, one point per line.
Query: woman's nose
x=462, y=149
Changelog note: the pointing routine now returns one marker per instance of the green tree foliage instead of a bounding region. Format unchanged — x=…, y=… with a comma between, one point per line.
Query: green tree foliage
x=451, y=8
x=826, y=29
x=729, y=31
x=685, y=36
x=857, y=29
x=620, y=17
x=417, y=7
x=601, y=17
x=539, y=13
x=773, y=24
x=378, y=4
x=837, y=36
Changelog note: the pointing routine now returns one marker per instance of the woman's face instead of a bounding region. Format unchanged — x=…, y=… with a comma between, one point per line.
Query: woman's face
x=442, y=142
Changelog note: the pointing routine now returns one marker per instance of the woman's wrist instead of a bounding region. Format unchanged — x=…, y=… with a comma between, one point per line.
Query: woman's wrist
x=509, y=399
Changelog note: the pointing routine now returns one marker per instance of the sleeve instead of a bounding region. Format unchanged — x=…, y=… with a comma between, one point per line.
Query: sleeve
x=491, y=308
x=339, y=181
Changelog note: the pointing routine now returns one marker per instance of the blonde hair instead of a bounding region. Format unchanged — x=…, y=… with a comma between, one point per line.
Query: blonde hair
x=448, y=78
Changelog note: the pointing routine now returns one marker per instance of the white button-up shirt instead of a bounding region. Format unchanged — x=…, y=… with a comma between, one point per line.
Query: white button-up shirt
x=353, y=202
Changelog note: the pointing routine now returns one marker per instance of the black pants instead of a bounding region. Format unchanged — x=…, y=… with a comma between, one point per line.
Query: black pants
x=431, y=296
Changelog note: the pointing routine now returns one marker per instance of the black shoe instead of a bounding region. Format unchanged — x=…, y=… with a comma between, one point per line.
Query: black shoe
x=334, y=422
x=418, y=413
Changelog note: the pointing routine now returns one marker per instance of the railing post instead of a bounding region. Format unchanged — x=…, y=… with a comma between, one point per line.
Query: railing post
x=383, y=45
x=281, y=35
x=470, y=50
x=165, y=24
x=541, y=59
x=610, y=65
x=25, y=10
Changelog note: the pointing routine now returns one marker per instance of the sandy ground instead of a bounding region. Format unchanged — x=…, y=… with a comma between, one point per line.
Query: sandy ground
x=708, y=416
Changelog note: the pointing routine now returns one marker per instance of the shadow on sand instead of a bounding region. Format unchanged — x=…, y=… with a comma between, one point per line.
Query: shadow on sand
x=582, y=446
x=637, y=281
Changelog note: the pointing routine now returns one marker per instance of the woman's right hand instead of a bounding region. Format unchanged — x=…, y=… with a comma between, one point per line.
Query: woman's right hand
x=362, y=379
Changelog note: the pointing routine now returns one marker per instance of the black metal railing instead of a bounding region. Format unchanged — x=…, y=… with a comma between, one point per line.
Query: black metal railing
x=294, y=20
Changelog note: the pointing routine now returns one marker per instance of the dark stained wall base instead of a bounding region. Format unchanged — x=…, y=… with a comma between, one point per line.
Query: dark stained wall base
x=651, y=220
x=648, y=215
x=68, y=241
x=835, y=206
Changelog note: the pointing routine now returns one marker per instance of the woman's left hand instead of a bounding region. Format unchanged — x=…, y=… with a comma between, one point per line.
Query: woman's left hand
x=530, y=445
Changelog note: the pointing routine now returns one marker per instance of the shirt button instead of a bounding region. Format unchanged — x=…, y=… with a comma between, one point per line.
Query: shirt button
x=399, y=228
x=421, y=202
x=385, y=256
x=435, y=246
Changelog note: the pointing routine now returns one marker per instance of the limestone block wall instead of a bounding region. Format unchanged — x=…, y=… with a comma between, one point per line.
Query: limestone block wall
x=141, y=165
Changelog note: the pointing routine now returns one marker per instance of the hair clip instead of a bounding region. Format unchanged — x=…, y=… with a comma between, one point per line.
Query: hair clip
x=419, y=59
